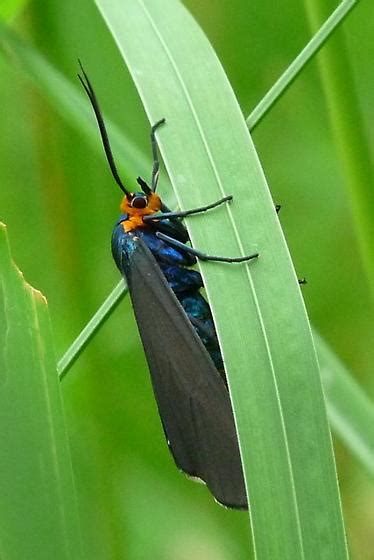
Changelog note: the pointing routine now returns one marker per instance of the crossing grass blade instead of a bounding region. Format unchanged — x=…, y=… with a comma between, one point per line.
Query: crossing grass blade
x=300, y=62
x=258, y=309
x=351, y=412
x=38, y=514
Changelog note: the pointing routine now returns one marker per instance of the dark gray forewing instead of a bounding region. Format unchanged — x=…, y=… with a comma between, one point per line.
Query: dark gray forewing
x=192, y=399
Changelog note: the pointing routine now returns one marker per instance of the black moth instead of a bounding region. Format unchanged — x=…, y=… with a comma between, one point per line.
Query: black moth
x=177, y=331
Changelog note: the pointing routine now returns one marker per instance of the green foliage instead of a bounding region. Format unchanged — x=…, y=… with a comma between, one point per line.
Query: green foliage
x=60, y=204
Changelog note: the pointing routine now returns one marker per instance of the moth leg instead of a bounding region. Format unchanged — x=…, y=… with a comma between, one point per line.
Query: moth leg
x=183, y=214
x=199, y=254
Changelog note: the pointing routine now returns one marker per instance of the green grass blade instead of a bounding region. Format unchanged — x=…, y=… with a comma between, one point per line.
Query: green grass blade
x=351, y=412
x=300, y=62
x=38, y=514
x=259, y=313
x=101, y=315
x=349, y=134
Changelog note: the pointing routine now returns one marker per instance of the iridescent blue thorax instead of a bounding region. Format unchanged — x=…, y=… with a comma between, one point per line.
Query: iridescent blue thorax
x=184, y=282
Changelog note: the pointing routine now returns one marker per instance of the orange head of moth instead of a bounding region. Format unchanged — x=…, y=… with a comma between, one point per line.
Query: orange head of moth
x=136, y=205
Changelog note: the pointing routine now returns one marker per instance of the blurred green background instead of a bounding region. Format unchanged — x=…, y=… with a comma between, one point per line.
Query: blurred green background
x=59, y=202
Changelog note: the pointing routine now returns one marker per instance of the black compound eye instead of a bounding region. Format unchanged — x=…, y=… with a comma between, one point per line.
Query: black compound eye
x=139, y=202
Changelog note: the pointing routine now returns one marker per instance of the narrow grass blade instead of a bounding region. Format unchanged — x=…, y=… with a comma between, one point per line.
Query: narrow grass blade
x=351, y=412
x=300, y=62
x=258, y=309
x=38, y=514
x=89, y=331
x=349, y=134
